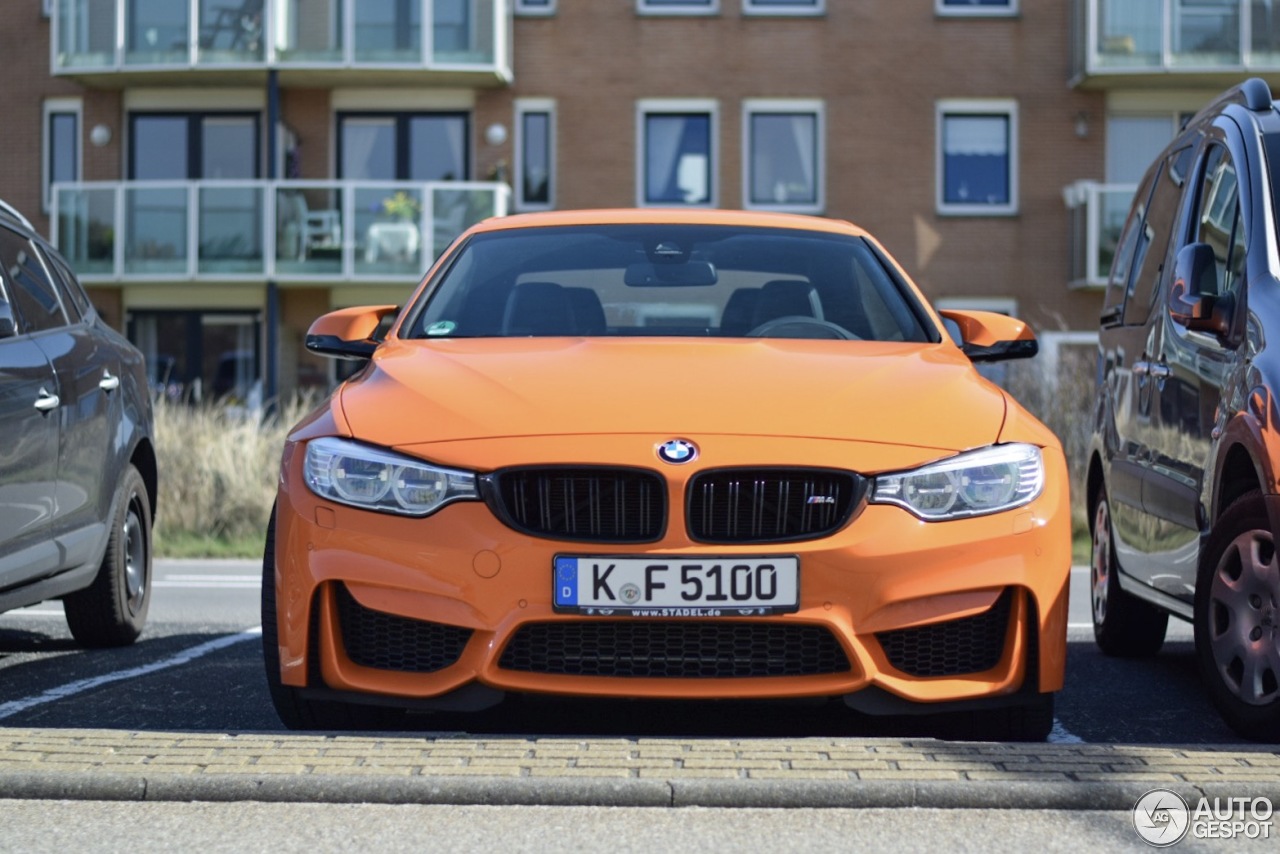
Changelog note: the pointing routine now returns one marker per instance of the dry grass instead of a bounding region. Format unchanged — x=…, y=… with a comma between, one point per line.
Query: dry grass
x=218, y=473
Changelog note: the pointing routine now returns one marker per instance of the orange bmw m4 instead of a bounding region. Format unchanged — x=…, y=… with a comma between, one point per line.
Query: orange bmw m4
x=668, y=454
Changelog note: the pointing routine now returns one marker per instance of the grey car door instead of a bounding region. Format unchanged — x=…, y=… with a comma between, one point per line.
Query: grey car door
x=28, y=454
x=87, y=374
x=1193, y=366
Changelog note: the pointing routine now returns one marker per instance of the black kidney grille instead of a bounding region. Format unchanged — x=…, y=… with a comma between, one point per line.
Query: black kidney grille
x=391, y=642
x=968, y=645
x=770, y=505
x=589, y=504
x=674, y=650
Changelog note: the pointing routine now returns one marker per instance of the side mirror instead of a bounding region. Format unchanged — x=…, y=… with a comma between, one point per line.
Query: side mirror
x=8, y=323
x=349, y=333
x=987, y=336
x=1193, y=299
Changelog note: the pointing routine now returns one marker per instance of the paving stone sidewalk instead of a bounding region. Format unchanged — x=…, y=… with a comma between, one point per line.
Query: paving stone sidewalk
x=801, y=772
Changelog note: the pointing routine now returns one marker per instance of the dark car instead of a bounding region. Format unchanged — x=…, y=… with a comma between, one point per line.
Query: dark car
x=1182, y=485
x=77, y=460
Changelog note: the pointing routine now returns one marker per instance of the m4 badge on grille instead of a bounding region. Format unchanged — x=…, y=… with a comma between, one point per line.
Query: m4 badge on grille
x=821, y=499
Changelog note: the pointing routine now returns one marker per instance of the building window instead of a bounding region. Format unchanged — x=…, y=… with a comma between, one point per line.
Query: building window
x=535, y=154
x=403, y=146
x=193, y=146
x=978, y=8
x=678, y=7
x=784, y=7
x=977, y=157
x=677, y=148
x=535, y=7
x=61, y=161
x=783, y=166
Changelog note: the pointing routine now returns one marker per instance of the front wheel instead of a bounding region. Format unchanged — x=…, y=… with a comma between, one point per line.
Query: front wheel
x=1237, y=619
x=1123, y=625
x=113, y=609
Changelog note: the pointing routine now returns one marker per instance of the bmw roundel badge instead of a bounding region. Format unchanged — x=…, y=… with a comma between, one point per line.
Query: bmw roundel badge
x=677, y=451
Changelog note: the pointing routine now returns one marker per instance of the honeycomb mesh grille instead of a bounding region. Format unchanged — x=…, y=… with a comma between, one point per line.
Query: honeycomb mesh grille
x=770, y=505
x=968, y=645
x=390, y=642
x=674, y=650
x=587, y=504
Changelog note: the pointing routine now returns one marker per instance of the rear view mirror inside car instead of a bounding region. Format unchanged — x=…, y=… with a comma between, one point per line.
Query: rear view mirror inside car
x=646, y=274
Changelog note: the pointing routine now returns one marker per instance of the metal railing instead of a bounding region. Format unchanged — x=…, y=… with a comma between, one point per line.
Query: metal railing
x=251, y=230
x=92, y=36
x=1098, y=214
x=1126, y=37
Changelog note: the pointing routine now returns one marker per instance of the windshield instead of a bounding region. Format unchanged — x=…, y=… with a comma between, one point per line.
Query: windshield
x=661, y=280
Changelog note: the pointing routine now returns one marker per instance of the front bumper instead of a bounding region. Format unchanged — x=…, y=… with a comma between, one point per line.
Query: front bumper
x=903, y=604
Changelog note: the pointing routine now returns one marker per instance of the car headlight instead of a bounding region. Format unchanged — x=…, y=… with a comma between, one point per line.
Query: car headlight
x=373, y=479
x=970, y=484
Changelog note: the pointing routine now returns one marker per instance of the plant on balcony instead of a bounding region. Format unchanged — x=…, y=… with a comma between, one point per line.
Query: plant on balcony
x=401, y=206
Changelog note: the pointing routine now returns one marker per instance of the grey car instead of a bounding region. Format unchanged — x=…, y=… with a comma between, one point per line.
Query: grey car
x=77, y=458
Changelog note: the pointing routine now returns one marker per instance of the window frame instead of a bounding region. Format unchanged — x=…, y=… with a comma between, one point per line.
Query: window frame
x=195, y=138
x=709, y=107
x=524, y=8
x=58, y=107
x=995, y=107
x=753, y=107
x=1009, y=9
x=403, y=137
x=689, y=7
x=776, y=9
x=524, y=107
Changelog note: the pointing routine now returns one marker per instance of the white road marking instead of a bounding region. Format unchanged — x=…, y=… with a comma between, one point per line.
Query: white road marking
x=200, y=585
x=61, y=692
x=1060, y=735
x=256, y=579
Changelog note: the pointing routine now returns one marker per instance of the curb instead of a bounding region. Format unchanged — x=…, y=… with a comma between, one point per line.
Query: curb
x=499, y=791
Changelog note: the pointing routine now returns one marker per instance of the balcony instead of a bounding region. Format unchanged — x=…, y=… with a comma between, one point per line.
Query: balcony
x=303, y=231
x=1098, y=213
x=313, y=42
x=1150, y=42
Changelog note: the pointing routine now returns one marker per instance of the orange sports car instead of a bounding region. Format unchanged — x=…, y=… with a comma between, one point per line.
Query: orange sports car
x=668, y=454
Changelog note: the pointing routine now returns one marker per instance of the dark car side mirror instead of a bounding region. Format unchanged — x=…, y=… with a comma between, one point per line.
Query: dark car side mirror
x=8, y=323
x=1193, y=298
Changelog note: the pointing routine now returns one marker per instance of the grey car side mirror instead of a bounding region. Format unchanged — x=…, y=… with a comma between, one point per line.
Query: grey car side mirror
x=8, y=323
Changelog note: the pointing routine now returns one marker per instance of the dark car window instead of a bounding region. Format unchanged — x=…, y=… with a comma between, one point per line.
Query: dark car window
x=1153, y=243
x=74, y=299
x=1218, y=222
x=670, y=279
x=33, y=294
x=1122, y=263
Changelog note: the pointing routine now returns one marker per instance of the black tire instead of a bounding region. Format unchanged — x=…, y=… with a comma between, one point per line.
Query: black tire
x=1237, y=619
x=113, y=609
x=294, y=710
x=1124, y=626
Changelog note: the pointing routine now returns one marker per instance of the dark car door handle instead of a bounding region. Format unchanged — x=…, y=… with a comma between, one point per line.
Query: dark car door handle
x=46, y=402
x=108, y=382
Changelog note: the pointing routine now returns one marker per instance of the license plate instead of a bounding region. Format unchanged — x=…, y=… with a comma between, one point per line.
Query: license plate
x=676, y=586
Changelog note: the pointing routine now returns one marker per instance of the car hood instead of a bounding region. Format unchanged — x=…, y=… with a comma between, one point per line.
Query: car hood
x=448, y=390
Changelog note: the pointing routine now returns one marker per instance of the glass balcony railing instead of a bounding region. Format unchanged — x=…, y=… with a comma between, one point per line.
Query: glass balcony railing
x=1128, y=37
x=1098, y=213
x=92, y=36
x=285, y=230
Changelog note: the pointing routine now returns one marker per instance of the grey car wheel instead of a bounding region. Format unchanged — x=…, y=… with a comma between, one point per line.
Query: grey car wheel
x=1237, y=619
x=1123, y=625
x=113, y=609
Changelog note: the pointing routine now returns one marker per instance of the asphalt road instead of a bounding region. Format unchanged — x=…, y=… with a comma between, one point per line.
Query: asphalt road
x=198, y=668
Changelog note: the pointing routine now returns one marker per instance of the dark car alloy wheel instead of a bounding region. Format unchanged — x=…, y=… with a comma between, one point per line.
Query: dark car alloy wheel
x=1237, y=618
x=1123, y=625
x=113, y=610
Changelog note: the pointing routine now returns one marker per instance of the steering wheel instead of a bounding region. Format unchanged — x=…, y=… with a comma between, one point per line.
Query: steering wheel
x=802, y=326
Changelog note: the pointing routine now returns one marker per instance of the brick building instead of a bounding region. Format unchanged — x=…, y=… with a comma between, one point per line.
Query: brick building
x=219, y=172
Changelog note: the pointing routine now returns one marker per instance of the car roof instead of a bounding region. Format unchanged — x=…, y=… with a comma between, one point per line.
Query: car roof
x=668, y=216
